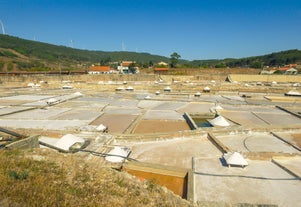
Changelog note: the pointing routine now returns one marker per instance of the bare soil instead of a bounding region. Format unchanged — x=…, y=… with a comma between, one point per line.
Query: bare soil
x=151, y=126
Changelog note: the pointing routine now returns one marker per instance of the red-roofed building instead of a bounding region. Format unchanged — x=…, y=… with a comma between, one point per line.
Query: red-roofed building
x=283, y=68
x=287, y=67
x=161, y=70
x=99, y=69
x=287, y=71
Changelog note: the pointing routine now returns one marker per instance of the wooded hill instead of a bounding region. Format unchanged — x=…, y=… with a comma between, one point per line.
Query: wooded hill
x=273, y=60
x=18, y=54
x=33, y=55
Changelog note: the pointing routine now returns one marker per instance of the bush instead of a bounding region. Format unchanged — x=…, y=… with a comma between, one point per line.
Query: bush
x=1, y=65
x=7, y=54
x=10, y=66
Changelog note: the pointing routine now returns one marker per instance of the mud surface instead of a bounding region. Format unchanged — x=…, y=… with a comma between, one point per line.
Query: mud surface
x=155, y=126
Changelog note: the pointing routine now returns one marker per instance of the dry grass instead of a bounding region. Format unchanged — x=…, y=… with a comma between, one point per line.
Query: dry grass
x=28, y=182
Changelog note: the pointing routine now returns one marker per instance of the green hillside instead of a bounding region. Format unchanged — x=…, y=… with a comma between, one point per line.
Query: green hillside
x=33, y=55
x=273, y=60
x=18, y=54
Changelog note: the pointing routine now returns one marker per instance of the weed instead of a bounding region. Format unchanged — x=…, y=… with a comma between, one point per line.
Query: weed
x=18, y=176
x=151, y=185
x=121, y=182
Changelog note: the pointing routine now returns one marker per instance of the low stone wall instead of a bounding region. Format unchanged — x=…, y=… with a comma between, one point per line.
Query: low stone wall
x=108, y=77
x=79, y=78
x=264, y=78
x=30, y=142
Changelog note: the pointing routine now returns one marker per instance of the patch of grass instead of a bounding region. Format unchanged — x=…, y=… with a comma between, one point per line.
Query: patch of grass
x=18, y=176
x=151, y=185
x=27, y=182
x=121, y=182
x=6, y=53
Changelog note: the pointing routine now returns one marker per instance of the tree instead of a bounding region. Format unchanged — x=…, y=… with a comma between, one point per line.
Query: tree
x=174, y=59
x=257, y=65
x=133, y=68
x=150, y=64
x=220, y=65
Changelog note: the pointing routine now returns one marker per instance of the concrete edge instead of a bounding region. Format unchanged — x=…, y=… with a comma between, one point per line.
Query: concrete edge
x=289, y=143
x=288, y=111
x=218, y=144
x=190, y=121
x=18, y=111
x=291, y=172
x=190, y=186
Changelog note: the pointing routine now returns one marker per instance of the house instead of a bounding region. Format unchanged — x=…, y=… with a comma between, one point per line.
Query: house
x=291, y=71
x=99, y=69
x=288, y=71
x=161, y=70
x=124, y=66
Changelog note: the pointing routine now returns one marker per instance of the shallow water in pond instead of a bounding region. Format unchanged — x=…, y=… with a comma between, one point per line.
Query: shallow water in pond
x=201, y=122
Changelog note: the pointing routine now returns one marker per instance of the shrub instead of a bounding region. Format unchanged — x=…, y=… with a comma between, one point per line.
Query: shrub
x=10, y=66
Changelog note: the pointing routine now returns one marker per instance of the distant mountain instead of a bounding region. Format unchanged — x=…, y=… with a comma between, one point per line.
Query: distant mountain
x=18, y=54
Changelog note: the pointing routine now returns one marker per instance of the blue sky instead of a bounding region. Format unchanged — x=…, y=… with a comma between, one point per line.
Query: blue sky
x=195, y=29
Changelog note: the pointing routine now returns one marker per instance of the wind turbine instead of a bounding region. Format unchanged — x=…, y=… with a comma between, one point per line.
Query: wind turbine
x=123, y=47
x=2, y=26
x=71, y=43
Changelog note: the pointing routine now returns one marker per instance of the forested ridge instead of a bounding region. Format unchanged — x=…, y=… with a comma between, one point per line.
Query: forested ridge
x=276, y=59
x=27, y=55
x=43, y=55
